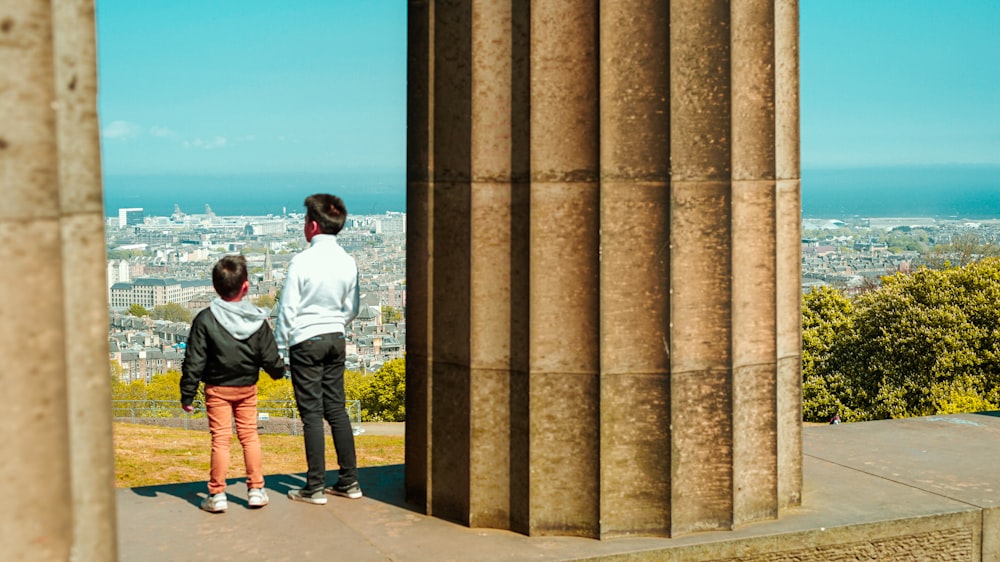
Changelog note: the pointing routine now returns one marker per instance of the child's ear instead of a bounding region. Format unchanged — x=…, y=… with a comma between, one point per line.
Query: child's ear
x=245, y=289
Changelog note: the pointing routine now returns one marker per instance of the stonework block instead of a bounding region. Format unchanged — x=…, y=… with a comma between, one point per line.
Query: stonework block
x=755, y=443
x=753, y=271
x=635, y=454
x=991, y=535
x=86, y=316
x=450, y=442
x=635, y=91
x=635, y=308
x=564, y=487
x=789, y=430
x=35, y=430
x=564, y=102
x=451, y=272
x=700, y=91
x=491, y=264
x=700, y=276
x=786, y=85
x=563, y=279
x=30, y=170
x=75, y=92
x=753, y=90
x=490, y=450
x=701, y=450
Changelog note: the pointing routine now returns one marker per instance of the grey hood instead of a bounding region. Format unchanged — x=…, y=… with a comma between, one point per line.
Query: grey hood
x=241, y=319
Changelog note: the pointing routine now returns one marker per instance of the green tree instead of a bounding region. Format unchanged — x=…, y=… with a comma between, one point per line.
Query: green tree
x=165, y=387
x=826, y=323
x=138, y=310
x=922, y=344
x=172, y=312
x=265, y=301
x=383, y=398
x=278, y=393
x=391, y=315
x=355, y=384
x=962, y=250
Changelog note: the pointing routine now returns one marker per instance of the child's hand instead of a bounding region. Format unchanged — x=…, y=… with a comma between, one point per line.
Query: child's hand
x=187, y=408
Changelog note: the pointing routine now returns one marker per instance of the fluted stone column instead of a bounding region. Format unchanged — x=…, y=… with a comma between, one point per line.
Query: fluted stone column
x=58, y=466
x=603, y=264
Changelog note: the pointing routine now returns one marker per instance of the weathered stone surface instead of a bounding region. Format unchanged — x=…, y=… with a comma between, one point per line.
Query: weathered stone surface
x=52, y=246
x=600, y=267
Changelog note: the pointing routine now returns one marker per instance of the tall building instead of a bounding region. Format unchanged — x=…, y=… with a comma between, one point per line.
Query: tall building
x=130, y=216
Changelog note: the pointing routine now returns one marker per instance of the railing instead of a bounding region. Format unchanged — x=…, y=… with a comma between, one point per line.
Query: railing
x=271, y=414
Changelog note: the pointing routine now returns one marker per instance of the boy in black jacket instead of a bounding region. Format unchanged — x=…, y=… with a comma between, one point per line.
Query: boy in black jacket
x=230, y=342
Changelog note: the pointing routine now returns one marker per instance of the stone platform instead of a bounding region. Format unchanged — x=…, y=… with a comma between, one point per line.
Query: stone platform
x=916, y=489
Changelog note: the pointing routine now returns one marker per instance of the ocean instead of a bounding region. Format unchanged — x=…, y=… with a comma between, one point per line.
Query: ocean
x=967, y=192
x=252, y=195
x=950, y=192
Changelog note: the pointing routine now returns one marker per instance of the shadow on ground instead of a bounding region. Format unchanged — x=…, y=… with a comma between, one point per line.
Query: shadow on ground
x=379, y=483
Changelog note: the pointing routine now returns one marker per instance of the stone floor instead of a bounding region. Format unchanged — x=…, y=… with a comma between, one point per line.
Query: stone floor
x=915, y=489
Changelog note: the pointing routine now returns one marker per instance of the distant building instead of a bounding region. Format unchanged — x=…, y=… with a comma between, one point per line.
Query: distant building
x=149, y=292
x=130, y=216
x=265, y=227
x=391, y=223
x=119, y=271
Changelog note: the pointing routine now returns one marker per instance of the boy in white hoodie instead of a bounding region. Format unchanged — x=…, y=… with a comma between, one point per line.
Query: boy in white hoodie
x=228, y=345
x=319, y=300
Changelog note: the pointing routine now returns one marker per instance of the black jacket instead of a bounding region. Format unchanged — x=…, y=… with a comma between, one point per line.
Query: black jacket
x=215, y=356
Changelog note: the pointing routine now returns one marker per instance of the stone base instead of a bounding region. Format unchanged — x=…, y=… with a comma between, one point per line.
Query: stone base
x=917, y=489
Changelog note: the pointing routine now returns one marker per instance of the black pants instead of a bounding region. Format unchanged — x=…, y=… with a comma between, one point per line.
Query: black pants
x=318, y=380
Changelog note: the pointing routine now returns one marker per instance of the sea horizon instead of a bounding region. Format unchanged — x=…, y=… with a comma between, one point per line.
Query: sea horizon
x=934, y=191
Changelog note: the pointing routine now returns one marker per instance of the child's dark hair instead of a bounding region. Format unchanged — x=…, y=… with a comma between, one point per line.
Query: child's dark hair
x=328, y=211
x=228, y=276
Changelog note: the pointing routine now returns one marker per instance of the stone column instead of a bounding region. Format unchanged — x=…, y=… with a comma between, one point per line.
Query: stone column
x=57, y=429
x=603, y=201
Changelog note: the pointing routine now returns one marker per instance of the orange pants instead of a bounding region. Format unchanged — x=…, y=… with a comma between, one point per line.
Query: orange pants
x=222, y=403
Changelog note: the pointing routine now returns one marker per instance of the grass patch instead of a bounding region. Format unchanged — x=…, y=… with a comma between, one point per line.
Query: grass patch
x=148, y=455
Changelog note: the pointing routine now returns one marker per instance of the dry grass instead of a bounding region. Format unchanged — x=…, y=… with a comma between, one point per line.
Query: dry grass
x=149, y=455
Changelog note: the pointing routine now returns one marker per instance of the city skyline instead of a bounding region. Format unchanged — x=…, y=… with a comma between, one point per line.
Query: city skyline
x=226, y=88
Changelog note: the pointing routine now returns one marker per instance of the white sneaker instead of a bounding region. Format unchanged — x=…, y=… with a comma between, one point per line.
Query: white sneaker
x=215, y=503
x=257, y=497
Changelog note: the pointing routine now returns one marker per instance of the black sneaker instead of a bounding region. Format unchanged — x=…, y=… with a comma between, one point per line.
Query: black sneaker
x=300, y=495
x=351, y=490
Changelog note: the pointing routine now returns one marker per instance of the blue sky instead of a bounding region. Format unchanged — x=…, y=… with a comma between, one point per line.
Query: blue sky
x=248, y=86
x=318, y=86
x=899, y=82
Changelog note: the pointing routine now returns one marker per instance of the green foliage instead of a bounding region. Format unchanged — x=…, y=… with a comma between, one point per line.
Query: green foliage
x=382, y=393
x=962, y=250
x=164, y=387
x=142, y=396
x=279, y=395
x=391, y=315
x=922, y=344
x=138, y=310
x=172, y=312
x=265, y=301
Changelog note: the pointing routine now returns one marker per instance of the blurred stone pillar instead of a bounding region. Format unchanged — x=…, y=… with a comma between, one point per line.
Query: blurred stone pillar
x=603, y=264
x=59, y=467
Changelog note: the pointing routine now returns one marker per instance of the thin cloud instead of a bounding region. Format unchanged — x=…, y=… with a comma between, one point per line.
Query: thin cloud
x=121, y=130
x=210, y=144
x=162, y=132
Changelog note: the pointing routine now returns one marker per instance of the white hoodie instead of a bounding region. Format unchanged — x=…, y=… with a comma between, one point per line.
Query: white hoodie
x=320, y=295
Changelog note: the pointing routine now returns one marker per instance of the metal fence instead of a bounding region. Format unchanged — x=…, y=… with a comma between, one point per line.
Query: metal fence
x=273, y=416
